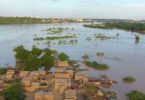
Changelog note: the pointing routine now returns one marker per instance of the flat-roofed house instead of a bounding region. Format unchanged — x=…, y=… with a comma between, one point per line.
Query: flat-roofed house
x=63, y=64
x=26, y=81
x=71, y=72
x=41, y=95
x=81, y=77
x=43, y=73
x=35, y=85
x=24, y=73
x=70, y=95
x=10, y=74
x=62, y=82
x=63, y=75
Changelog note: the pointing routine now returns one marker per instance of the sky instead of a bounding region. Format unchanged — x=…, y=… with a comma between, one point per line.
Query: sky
x=109, y=9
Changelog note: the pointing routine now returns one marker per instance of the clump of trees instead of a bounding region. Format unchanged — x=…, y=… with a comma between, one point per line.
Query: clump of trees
x=129, y=79
x=135, y=95
x=14, y=92
x=36, y=58
x=20, y=20
x=97, y=65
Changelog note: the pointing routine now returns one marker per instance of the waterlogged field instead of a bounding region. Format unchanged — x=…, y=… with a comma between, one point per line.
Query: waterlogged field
x=124, y=55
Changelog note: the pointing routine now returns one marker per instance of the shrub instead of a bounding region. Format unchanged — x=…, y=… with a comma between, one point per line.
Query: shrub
x=129, y=79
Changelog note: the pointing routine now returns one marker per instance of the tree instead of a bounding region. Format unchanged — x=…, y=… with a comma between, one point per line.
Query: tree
x=47, y=61
x=63, y=57
x=32, y=63
x=36, y=51
x=14, y=92
x=21, y=52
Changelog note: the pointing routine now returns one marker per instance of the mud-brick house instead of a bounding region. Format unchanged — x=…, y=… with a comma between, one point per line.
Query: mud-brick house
x=41, y=95
x=62, y=64
x=10, y=74
x=81, y=77
x=23, y=74
x=26, y=81
x=70, y=95
x=62, y=84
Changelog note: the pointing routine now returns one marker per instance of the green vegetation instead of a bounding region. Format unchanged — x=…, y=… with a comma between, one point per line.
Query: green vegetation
x=134, y=27
x=104, y=37
x=137, y=39
x=63, y=57
x=54, y=30
x=14, y=92
x=34, y=59
x=54, y=37
x=129, y=79
x=96, y=65
x=2, y=71
x=135, y=95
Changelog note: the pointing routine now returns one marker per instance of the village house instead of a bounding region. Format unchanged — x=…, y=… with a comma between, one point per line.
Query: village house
x=62, y=84
x=70, y=95
x=23, y=74
x=63, y=64
x=81, y=77
x=10, y=74
x=41, y=95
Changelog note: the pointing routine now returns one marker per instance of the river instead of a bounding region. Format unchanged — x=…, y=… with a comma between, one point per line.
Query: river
x=122, y=54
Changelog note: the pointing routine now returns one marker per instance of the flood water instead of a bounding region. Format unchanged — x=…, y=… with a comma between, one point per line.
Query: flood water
x=122, y=54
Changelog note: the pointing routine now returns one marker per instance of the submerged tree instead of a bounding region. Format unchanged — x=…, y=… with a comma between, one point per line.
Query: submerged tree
x=137, y=39
x=85, y=57
x=135, y=95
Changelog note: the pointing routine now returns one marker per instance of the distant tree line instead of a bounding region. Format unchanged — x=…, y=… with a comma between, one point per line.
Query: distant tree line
x=33, y=20
x=129, y=26
x=20, y=20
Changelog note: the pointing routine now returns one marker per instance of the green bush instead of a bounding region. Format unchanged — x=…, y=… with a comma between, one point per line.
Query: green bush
x=14, y=92
x=135, y=95
x=129, y=79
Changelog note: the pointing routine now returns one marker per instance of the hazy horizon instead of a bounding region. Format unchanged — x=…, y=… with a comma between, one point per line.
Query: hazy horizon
x=99, y=9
